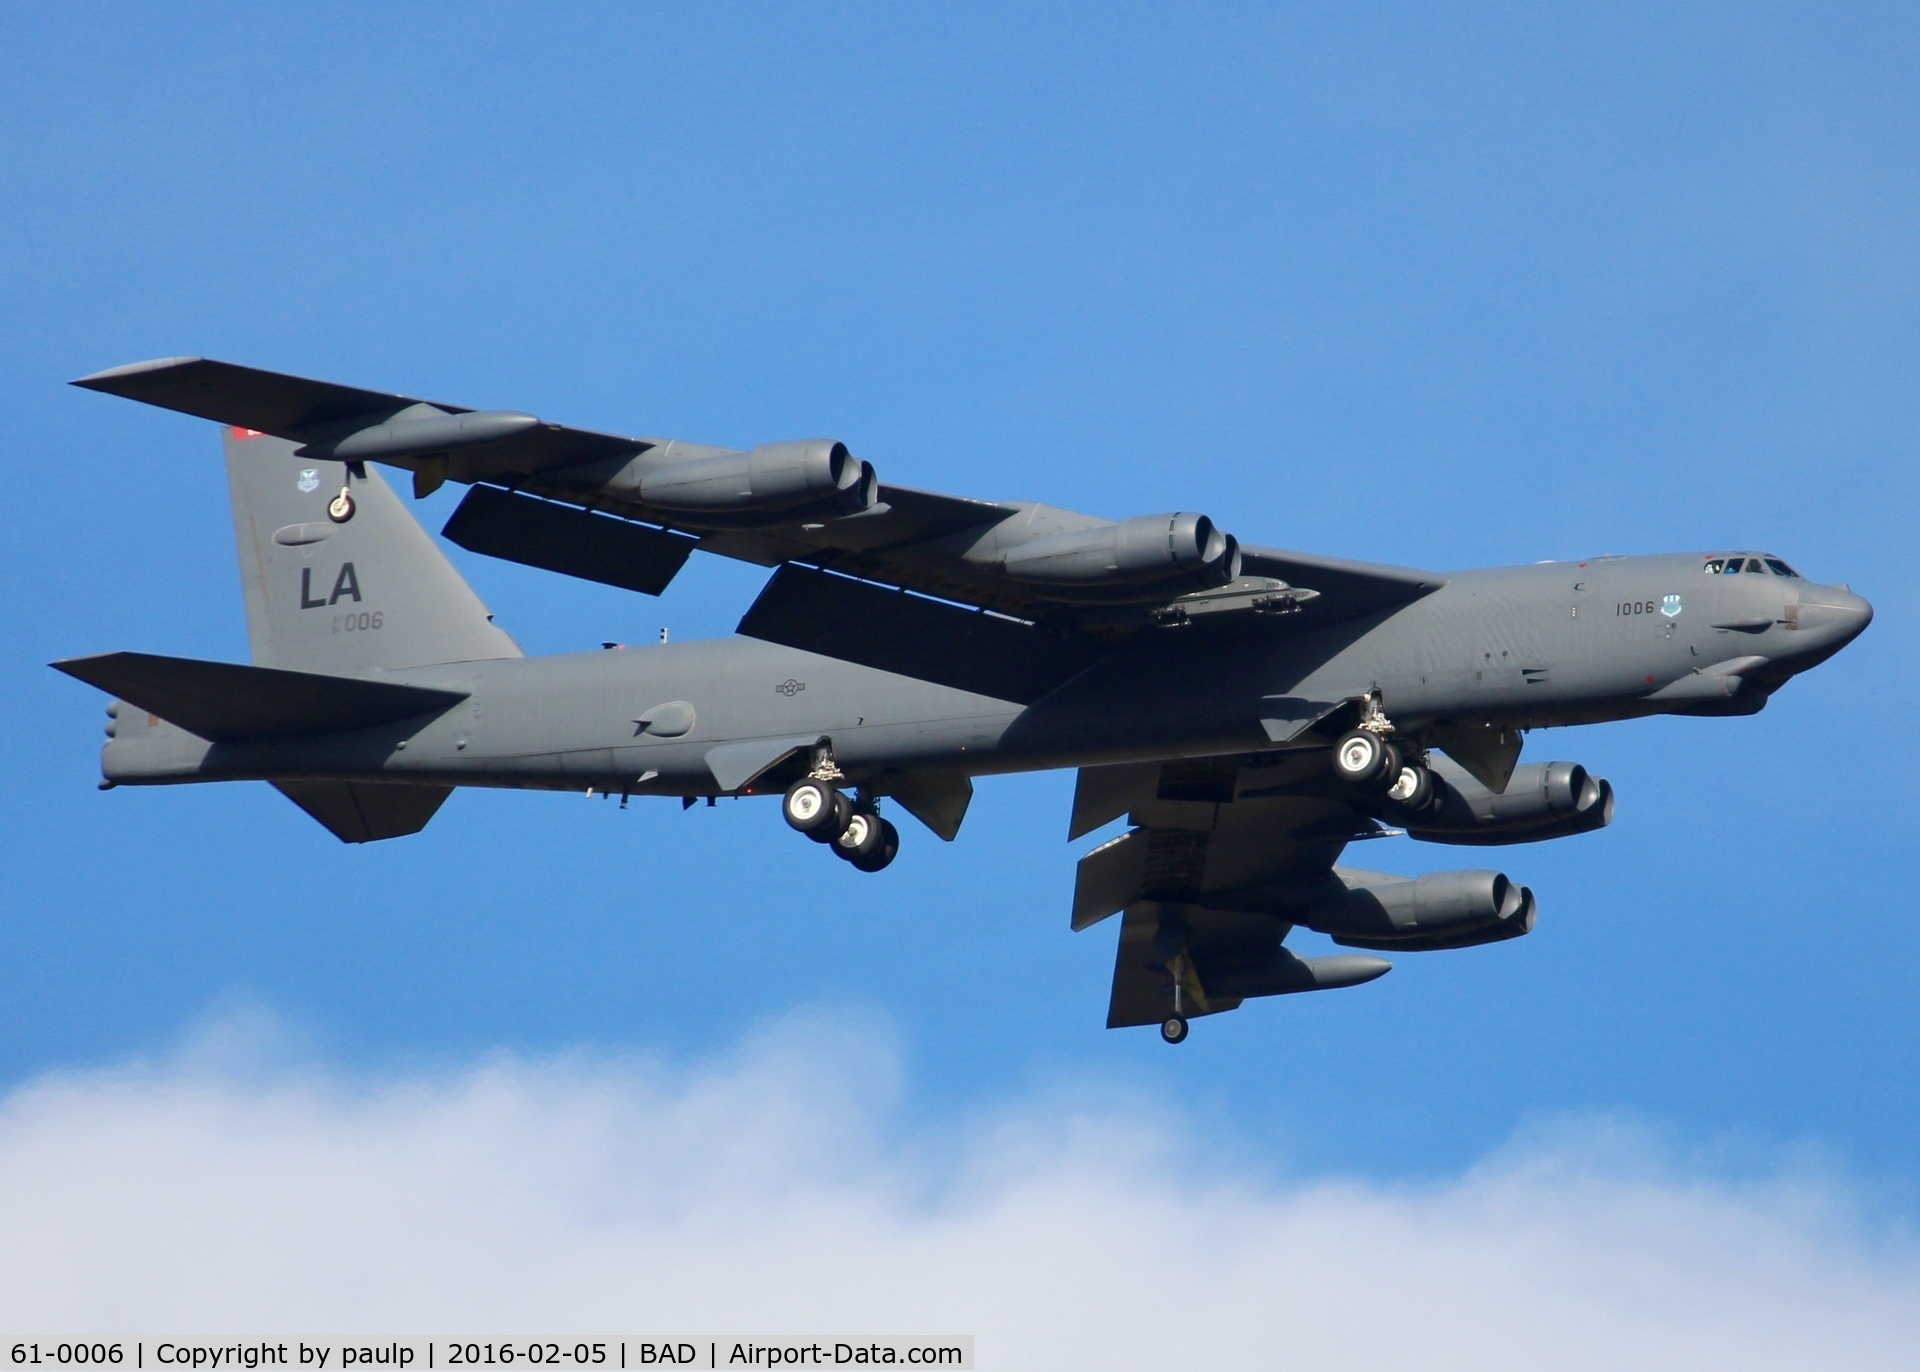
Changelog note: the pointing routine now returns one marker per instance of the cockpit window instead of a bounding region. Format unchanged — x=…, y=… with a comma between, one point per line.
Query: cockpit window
x=1727, y=566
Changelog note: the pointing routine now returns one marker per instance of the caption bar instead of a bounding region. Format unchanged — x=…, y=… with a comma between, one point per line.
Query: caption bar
x=440, y=1355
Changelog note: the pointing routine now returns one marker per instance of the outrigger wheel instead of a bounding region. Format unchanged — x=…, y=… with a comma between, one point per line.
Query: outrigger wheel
x=1174, y=1029
x=817, y=809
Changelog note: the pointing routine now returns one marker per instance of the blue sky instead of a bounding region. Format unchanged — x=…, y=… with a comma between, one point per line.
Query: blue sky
x=1438, y=286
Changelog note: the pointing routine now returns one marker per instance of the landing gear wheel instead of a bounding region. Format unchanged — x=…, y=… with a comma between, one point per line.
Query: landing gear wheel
x=861, y=838
x=1413, y=788
x=1174, y=1029
x=884, y=851
x=340, y=508
x=1360, y=757
x=816, y=809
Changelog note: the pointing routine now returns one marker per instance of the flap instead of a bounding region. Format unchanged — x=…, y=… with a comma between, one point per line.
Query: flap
x=1286, y=718
x=1489, y=752
x=894, y=631
x=1103, y=794
x=568, y=540
x=937, y=800
x=738, y=765
x=227, y=702
x=1109, y=878
x=366, y=811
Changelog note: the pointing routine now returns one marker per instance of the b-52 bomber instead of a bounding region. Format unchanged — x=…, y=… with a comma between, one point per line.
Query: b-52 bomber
x=1250, y=711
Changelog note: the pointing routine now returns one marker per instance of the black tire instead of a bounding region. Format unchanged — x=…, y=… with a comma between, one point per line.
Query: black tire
x=1174, y=1029
x=1413, y=789
x=1359, y=757
x=340, y=509
x=816, y=809
x=1391, y=764
x=861, y=838
x=884, y=852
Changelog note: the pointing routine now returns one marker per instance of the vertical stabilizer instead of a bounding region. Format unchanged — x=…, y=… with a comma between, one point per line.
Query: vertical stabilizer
x=334, y=594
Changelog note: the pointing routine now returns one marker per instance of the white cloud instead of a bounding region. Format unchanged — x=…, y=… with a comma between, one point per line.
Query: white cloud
x=218, y=1193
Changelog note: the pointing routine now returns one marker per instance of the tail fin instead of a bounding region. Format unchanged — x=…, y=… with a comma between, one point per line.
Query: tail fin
x=339, y=577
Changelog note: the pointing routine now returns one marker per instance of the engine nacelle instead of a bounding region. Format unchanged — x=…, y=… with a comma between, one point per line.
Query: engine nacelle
x=1543, y=800
x=1160, y=551
x=772, y=478
x=1417, y=914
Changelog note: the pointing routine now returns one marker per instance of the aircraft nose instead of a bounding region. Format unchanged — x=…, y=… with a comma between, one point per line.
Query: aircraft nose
x=1835, y=613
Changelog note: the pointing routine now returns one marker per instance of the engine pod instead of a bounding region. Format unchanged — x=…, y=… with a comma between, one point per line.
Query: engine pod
x=772, y=478
x=1158, y=553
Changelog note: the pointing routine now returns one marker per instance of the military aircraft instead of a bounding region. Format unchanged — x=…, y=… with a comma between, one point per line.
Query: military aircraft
x=1250, y=711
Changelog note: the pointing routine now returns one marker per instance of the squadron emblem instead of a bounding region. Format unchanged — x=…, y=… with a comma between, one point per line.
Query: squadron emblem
x=1670, y=606
x=309, y=479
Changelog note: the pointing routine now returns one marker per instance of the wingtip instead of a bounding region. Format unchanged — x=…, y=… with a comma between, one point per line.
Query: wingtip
x=95, y=382
x=75, y=667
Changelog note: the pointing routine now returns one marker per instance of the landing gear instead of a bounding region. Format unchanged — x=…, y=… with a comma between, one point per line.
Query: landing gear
x=1368, y=758
x=1363, y=757
x=340, y=508
x=1174, y=1029
x=860, y=838
x=1413, y=788
x=817, y=809
x=877, y=842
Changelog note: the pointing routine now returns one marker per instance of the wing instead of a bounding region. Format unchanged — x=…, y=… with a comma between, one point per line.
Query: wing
x=1210, y=880
x=321, y=413
x=1063, y=585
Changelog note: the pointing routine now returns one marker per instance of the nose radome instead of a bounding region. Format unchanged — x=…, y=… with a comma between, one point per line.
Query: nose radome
x=1834, y=612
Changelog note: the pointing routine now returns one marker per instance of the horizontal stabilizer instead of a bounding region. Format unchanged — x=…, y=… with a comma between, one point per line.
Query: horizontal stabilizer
x=366, y=811
x=931, y=640
x=226, y=702
x=568, y=540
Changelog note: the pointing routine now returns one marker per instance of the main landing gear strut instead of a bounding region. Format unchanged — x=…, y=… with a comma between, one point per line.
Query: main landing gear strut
x=853, y=829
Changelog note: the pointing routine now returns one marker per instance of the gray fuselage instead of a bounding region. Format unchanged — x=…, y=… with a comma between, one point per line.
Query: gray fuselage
x=1518, y=647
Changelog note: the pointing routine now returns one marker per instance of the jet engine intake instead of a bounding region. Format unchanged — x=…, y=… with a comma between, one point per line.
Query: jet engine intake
x=1543, y=800
x=1439, y=910
x=772, y=478
x=1147, y=550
